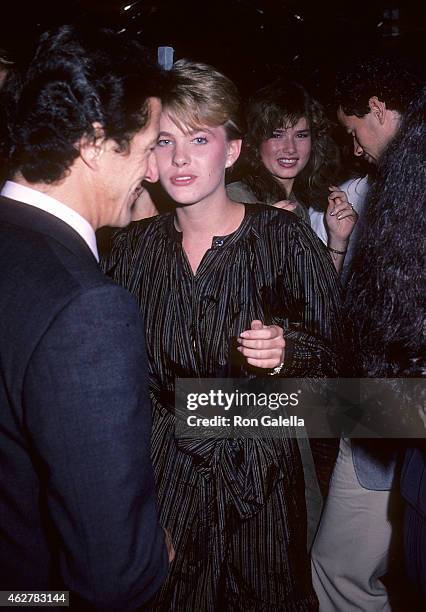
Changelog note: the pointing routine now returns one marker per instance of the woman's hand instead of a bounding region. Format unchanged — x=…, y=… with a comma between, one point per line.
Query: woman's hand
x=340, y=219
x=262, y=345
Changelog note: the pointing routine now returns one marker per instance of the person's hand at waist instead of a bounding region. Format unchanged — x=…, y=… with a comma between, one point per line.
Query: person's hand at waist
x=263, y=346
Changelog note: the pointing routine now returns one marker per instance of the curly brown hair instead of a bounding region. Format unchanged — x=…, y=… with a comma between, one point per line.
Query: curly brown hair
x=282, y=104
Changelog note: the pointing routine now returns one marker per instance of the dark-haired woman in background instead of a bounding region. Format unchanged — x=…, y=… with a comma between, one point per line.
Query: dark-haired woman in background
x=293, y=162
x=386, y=301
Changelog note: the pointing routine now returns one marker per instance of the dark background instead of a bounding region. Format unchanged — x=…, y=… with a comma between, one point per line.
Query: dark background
x=252, y=41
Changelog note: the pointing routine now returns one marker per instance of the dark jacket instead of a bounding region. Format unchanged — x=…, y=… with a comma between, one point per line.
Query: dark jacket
x=77, y=501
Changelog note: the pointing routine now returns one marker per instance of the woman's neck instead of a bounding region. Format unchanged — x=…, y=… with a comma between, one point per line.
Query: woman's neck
x=286, y=185
x=214, y=217
x=201, y=221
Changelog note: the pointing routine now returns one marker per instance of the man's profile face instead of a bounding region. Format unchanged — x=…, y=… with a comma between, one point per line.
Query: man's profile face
x=370, y=137
x=123, y=172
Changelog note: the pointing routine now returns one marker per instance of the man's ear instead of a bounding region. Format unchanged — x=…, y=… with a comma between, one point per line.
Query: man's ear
x=233, y=153
x=91, y=148
x=378, y=108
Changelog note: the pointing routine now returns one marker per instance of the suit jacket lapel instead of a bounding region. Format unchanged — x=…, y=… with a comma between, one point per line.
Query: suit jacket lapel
x=37, y=220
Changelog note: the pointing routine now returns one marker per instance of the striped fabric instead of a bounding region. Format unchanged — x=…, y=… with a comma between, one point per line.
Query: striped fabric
x=235, y=508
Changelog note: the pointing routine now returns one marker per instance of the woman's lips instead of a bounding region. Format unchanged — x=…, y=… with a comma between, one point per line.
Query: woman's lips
x=182, y=180
x=287, y=162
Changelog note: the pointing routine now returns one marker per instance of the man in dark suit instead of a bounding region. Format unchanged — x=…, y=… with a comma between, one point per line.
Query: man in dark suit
x=77, y=499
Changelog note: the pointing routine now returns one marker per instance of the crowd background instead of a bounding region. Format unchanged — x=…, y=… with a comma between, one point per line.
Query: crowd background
x=251, y=41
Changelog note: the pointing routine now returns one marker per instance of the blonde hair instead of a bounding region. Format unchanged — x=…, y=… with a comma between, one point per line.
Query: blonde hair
x=198, y=95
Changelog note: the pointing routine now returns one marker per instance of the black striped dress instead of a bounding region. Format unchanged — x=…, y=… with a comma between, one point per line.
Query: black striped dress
x=235, y=508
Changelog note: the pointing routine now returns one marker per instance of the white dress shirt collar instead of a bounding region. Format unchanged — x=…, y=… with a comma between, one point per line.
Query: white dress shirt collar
x=35, y=198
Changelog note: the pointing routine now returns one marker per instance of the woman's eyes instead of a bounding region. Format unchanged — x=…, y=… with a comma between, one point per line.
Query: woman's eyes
x=297, y=135
x=200, y=140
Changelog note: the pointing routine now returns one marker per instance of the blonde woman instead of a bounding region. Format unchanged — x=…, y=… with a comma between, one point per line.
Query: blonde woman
x=211, y=271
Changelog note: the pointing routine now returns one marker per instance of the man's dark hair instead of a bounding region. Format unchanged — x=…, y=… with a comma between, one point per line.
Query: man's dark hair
x=77, y=79
x=389, y=79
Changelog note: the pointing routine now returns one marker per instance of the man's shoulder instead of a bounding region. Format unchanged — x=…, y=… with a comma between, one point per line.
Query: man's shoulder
x=36, y=244
x=42, y=282
x=39, y=276
x=40, y=260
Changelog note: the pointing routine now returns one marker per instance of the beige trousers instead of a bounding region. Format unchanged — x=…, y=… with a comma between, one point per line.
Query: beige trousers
x=351, y=549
